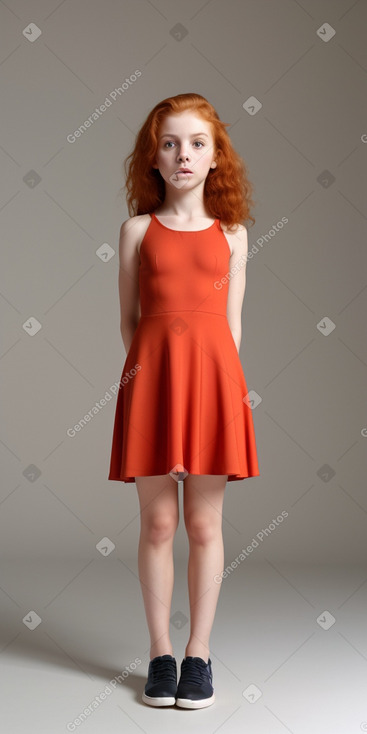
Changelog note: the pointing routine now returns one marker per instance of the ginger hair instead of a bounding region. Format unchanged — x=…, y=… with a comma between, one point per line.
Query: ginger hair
x=227, y=189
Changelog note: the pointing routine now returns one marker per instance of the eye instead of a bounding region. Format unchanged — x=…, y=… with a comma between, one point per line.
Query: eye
x=171, y=141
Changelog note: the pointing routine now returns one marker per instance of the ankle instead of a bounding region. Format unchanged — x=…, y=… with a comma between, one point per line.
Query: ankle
x=157, y=650
x=195, y=650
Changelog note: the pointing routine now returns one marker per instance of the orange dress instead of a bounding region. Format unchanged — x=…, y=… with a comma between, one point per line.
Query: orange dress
x=181, y=399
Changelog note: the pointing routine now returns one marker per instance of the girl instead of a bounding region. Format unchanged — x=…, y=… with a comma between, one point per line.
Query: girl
x=182, y=411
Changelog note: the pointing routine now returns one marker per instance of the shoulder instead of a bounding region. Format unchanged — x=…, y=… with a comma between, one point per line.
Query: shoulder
x=132, y=231
x=237, y=239
x=135, y=224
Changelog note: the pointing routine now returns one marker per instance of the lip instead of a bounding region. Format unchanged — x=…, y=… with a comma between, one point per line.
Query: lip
x=183, y=170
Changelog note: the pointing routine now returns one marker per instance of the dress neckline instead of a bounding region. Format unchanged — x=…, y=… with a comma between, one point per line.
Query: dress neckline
x=188, y=231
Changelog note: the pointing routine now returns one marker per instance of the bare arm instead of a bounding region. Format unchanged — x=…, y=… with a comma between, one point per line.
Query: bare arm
x=237, y=284
x=129, y=280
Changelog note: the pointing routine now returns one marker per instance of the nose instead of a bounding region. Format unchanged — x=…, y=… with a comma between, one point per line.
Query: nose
x=183, y=155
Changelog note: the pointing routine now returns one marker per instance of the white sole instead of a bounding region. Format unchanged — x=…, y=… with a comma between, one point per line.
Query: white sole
x=188, y=703
x=159, y=701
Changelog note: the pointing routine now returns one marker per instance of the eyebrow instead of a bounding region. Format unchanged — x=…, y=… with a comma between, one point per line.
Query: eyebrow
x=171, y=135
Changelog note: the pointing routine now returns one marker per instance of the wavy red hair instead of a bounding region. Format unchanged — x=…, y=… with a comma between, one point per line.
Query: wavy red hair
x=227, y=189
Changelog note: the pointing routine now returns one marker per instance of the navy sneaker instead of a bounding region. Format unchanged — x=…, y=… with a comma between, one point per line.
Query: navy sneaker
x=195, y=689
x=161, y=686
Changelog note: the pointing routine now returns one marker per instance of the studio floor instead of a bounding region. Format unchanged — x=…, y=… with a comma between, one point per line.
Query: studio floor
x=288, y=650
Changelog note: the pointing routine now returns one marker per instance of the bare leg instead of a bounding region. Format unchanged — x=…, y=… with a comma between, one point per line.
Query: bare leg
x=159, y=516
x=203, y=503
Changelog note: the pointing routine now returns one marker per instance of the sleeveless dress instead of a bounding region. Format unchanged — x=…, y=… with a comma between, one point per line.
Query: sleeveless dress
x=181, y=402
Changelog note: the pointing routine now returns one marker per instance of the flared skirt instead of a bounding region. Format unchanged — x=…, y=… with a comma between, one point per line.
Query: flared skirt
x=183, y=401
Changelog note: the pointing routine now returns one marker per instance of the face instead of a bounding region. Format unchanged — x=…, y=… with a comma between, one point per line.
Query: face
x=184, y=141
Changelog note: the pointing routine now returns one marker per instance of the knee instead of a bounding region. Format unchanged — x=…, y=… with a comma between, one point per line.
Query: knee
x=160, y=528
x=201, y=529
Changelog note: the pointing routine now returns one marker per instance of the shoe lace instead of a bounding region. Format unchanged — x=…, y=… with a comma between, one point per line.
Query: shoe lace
x=163, y=669
x=193, y=672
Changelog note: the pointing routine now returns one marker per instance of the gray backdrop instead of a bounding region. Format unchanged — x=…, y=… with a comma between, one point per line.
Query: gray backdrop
x=290, y=78
x=302, y=347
